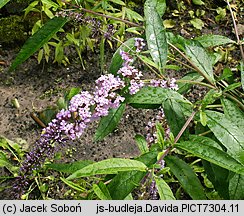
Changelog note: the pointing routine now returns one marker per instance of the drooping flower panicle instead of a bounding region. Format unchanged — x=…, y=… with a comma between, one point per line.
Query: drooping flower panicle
x=84, y=108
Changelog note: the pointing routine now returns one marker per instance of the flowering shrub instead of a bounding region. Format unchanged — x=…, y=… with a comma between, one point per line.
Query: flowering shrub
x=84, y=108
x=196, y=147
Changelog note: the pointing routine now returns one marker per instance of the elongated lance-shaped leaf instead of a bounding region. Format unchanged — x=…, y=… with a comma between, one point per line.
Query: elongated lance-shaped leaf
x=141, y=143
x=160, y=6
x=175, y=116
x=233, y=113
x=164, y=190
x=3, y=2
x=155, y=34
x=124, y=183
x=118, y=2
x=236, y=187
x=154, y=96
x=210, y=40
x=108, y=123
x=117, y=61
x=73, y=185
x=101, y=191
x=219, y=178
x=229, y=134
x=36, y=41
x=186, y=176
x=204, y=148
x=69, y=167
x=200, y=58
x=109, y=166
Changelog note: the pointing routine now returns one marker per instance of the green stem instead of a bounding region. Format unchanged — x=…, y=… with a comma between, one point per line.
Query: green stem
x=236, y=30
x=214, y=106
x=106, y=16
x=180, y=62
x=178, y=136
x=234, y=99
x=205, y=133
x=192, y=64
x=195, y=82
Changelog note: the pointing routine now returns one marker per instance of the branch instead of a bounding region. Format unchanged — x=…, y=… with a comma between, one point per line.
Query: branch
x=236, y=30
x=178, y=136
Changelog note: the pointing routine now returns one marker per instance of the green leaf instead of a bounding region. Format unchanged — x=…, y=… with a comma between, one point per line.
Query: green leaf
x=186, y=177
x=69, y=167
x=227, y=74
x=210, y=40
x=176, y=40
x=71, y=93
x=203, y=118
x=160, y=134
x=175, y=116
x=184, y=86
x=108, y=123
x=31, y=7
x=211, y=97
x=219, y=178
x=129, y=197
x=198, y=2
x=50, y=3
x=124, y=183
x=4, y=160
x=117, y=61
x=47, y=115
x=3, y=2
x=118, y=2
x=134, y=30
x=204, y=148
x=227, y=133
x=164, y=190
x=236, y=187
x=201, y=60
x=232, y=86
x=197, y=23
x=161, y=7
x=221, y=14
x=148, y=61
x=169, y=23
x=233, y=113
x=101, y=191
x=155, y=34
x=132, y=15
x=154, y=96
x=141, y=143
x=109, y=166
x=61, y=103
x=35, y=42
x=73, y=185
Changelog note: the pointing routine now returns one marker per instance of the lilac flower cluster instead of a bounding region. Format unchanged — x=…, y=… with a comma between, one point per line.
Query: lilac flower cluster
x=84, y=108
x=70, y=124
x=78, y=17
x=93, y=23
x=151, y=127
x=171, y=84
x=153, y=191
x=109, y=32
x=139, y=44
x=129, y=71
x=105, y=97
